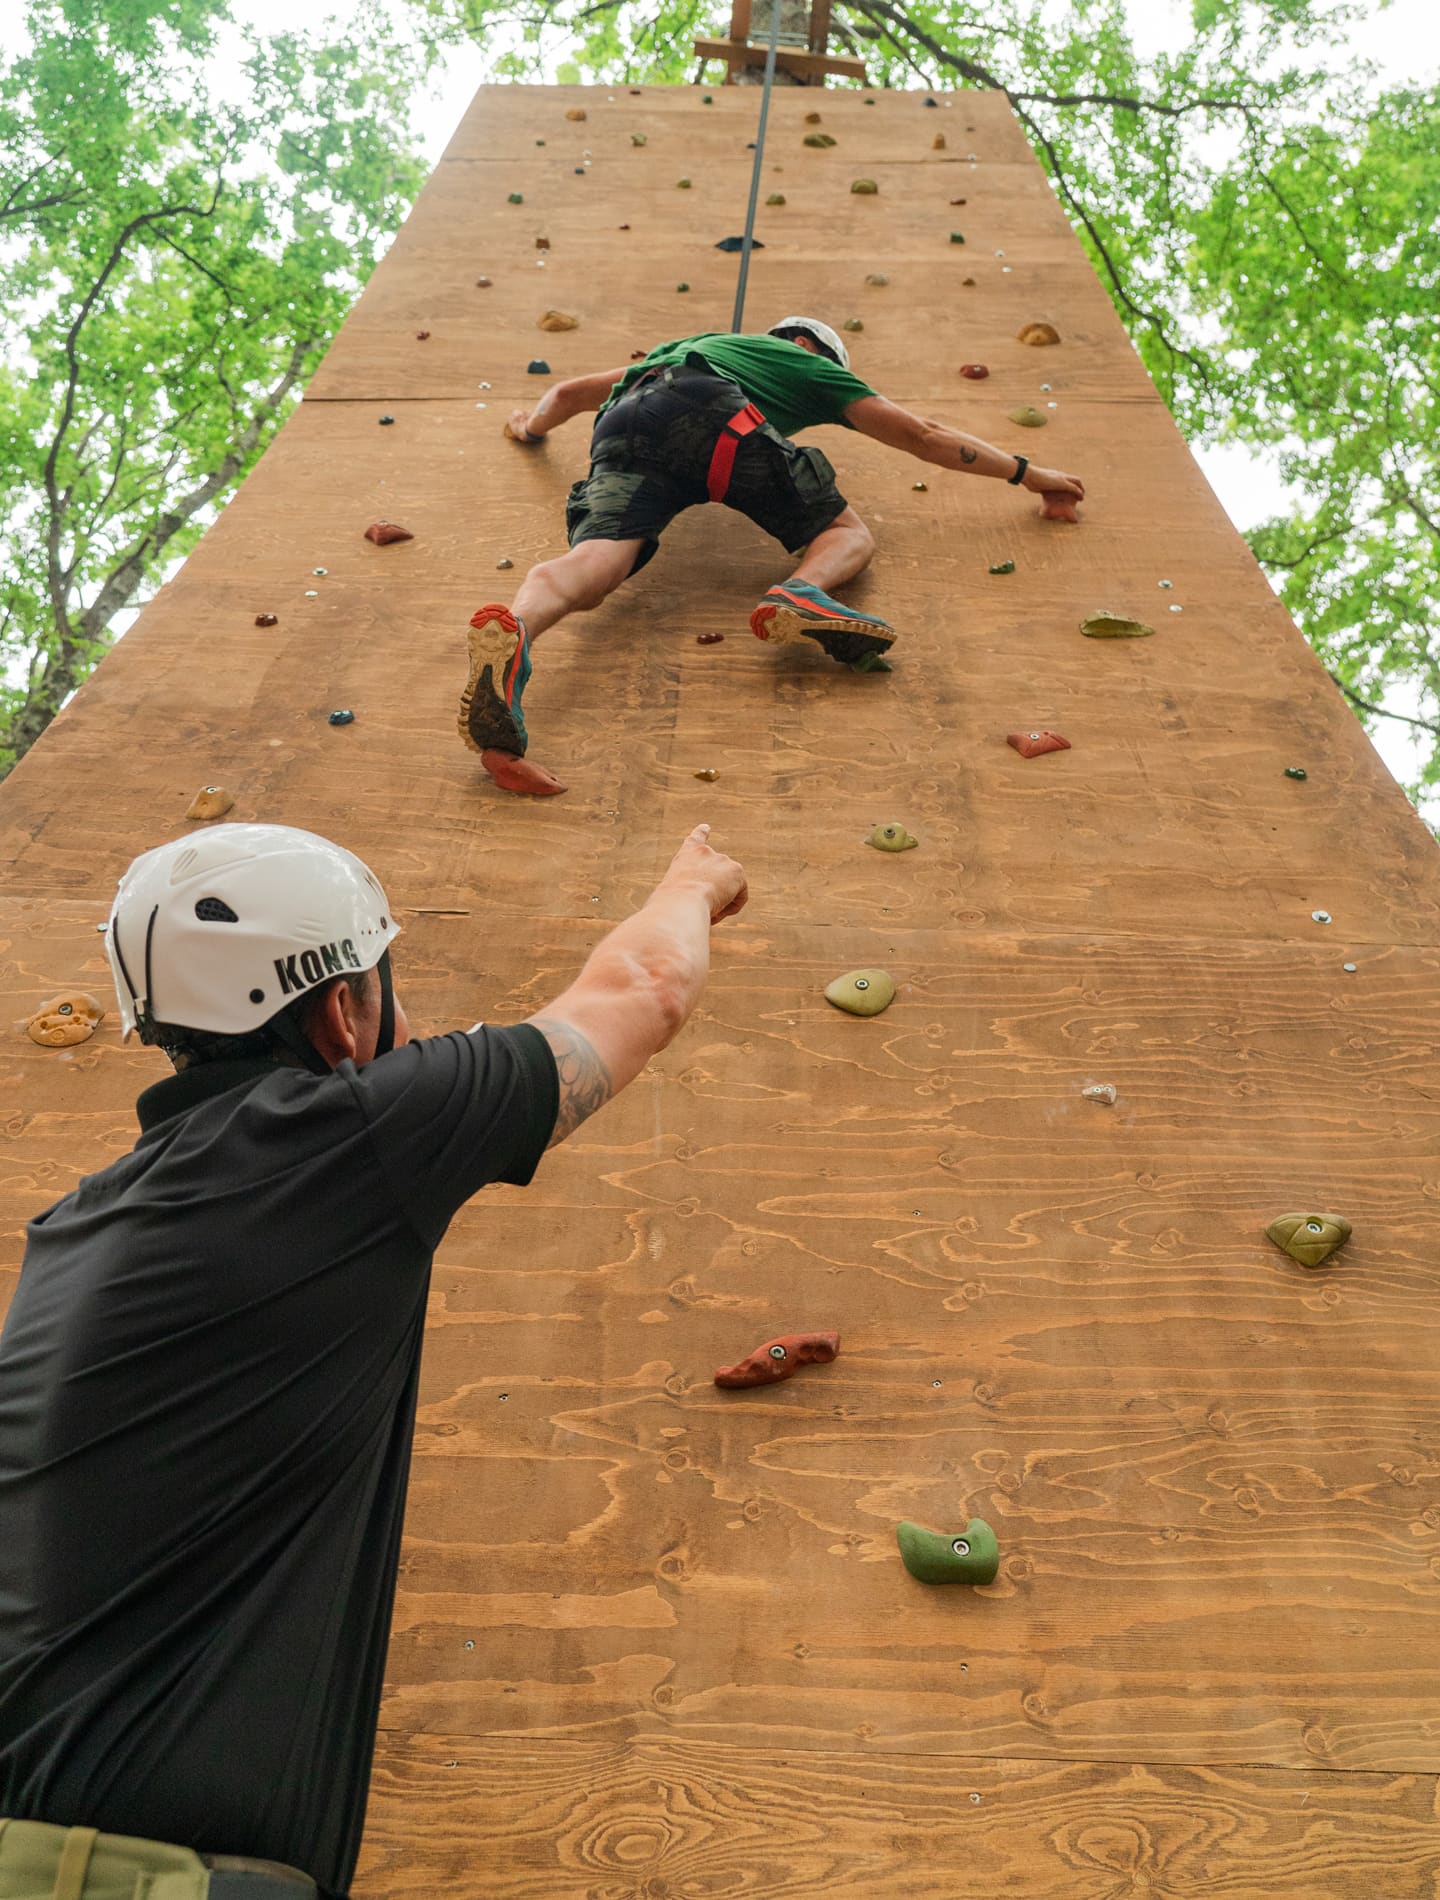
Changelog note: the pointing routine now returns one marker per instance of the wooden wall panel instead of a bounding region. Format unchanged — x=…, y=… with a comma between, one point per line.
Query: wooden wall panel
x=653, y=1638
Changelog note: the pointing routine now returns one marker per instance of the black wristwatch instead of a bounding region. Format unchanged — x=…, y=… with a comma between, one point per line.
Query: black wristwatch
x=1023, y=462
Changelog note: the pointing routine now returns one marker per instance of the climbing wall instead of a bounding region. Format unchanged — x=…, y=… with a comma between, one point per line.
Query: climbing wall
x=653, y=1638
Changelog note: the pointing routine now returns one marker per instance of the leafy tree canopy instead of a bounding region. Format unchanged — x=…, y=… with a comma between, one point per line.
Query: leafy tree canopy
x=171, y=265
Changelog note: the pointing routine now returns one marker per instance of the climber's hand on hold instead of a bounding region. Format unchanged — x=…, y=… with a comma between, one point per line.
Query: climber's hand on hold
x=698, y=866
x=1051, y=481
x=518, y=429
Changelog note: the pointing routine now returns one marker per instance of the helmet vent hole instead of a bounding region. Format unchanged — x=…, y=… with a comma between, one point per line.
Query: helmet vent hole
x=214, y=910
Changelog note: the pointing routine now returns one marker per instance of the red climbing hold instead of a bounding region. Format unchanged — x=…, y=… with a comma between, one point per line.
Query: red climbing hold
x=977, y=372
x=267, y=620
x=778, y=1358
x=708, y=639
x=959, y=201
x=1058, y=508
x=422, y=336
x=382, y=533
x=1031, y=744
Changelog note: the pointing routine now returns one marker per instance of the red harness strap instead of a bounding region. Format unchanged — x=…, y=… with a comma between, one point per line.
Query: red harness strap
x=722, y=462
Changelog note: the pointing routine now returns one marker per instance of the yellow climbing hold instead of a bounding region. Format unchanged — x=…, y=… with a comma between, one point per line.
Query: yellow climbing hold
x=1037, y=334
x=862, y=992
x=1027, y=417
x=557, y=320
x=211, y=801
x=864, y=188
x=892, y=837
x=1309, y=1238
x=1108, y=626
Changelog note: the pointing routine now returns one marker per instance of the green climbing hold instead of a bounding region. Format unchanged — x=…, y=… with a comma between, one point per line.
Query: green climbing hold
x=862, y=992
x=682, y=286
x=539, y=141
x=1104, y=626
x=892, y=837
x=682, y=184
x=1027, y=417
x=957, y=237
x=943, y=1557
x=516, y=198
x=871, y=663
x=1296, y=771
x=1002, y=567
x=638, y=138
x=707, y=100
x=852, y=324
x=864, y=188
x=818, y=138
x=1309, y=1238
x=776, y=198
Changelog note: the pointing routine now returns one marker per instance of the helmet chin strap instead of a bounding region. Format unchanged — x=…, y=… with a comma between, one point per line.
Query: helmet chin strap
x=285, y=1029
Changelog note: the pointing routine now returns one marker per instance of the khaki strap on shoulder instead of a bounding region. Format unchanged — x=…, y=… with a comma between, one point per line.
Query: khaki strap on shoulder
x=74, y=1863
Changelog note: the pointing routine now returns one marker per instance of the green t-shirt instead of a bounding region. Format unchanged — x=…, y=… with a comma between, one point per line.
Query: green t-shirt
x=792, y=389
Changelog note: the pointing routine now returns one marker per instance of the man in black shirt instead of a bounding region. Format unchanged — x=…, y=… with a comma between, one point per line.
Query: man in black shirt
x=208, y=1373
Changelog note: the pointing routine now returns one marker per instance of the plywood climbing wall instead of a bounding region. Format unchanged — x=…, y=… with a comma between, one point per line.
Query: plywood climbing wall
x=654, y=1639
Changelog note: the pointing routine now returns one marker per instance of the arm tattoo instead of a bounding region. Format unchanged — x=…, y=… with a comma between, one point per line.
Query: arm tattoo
x=969, y=455
x=585, y=1083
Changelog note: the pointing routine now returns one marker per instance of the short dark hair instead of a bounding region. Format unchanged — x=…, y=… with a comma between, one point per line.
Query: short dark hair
x=188, y=1048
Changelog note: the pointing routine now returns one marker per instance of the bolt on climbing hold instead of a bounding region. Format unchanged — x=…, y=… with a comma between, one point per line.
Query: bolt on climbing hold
x=579, y=171
x=707, y=100
x=892, y=837
x=937, y=144
x=708, y=639
x=942, y=1557
x=539, y=141
x=385, y=533
x=977, y=372
x=65, y=1020
x=863, y=188
x=708, y=773
x=516, y=198
x=779, y=1359
x=1108, y=626
x=1030, y=745
x=1036, y=334
x=1027, y=417
x=557, y=320
x=505, y=565
x=1321, y=917
x=211, y=801
x=1166, y=583
x=622, y=227
x=385, y=421
x=576, y=114
x=932, y=102
x=878, y=278
x=818, y=139
x=1309, y=1238
x=638, y=356
x=342, y=717
x=1002, y=567
x=967, y=283
x=537, y=366
x=776, y=198
x=542, y=243
x=862, y=992
x=957, y=237
x=852, y=324
x=1100, y=1092
x=267, y=620
x=921, y=488
x=1296, y=771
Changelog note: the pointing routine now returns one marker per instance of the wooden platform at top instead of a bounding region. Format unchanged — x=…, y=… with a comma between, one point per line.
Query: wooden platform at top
x=654, y=1640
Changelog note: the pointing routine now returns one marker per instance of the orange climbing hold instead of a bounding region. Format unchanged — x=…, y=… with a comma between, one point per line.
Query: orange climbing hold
x=1030, y=745
x=383, y=533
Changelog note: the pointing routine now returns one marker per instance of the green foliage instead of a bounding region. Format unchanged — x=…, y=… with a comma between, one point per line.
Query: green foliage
x=171, y=265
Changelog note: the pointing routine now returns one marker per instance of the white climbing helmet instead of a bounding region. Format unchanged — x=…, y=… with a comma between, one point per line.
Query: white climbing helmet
x=223, y=931
x=822, y=333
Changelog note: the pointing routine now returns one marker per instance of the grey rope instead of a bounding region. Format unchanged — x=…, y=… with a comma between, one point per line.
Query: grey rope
x=759, y=160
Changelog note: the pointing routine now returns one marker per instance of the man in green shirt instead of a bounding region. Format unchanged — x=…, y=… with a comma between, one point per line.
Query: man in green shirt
x=709, y=418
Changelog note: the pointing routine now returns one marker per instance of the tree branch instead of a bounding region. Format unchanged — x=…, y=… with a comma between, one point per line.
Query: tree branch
x=1425, y=725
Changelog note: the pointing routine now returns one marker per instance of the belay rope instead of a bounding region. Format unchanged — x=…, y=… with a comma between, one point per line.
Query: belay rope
x=749, y=237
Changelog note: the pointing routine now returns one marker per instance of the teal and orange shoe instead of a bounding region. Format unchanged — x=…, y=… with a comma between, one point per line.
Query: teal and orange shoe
x=797, y=611
x=490, y=715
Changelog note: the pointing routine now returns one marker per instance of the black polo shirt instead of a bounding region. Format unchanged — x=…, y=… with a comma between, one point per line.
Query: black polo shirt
x=207, y=1393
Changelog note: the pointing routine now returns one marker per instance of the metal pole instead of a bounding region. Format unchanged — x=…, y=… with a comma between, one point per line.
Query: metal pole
x=755, y=175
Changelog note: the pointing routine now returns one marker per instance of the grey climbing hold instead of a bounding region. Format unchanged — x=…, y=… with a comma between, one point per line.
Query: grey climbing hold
x=537, y=366
x=738, y=244
x=862, y=992
x=343, y=717
x=877, y=278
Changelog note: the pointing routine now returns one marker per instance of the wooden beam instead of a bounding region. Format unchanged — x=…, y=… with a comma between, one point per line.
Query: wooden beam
x=804, y=65
x=819, y=26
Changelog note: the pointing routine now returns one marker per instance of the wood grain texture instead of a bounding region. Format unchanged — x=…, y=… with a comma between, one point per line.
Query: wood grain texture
x=653, y=1638
x=658, y=1820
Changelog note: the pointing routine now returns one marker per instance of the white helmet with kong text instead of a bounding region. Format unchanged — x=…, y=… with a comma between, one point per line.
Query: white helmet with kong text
x=821, y=333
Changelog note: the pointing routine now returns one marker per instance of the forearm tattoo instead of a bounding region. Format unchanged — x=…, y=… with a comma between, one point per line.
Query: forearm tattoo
x=969, y=455
x=585, y=1083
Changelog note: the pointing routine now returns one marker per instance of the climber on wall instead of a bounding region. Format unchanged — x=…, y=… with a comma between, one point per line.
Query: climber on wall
x=709, y=418
x=208, y=1372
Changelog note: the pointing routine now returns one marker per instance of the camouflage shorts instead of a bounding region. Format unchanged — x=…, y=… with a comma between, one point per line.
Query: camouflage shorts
x=650, y=457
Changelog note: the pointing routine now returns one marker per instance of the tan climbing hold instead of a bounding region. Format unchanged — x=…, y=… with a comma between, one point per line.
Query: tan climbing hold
x=937, y=144
x=708, y=773
x=211, y=801
x=1037, y=334
x=852, y=324
x=1309, y=1238
x=557, y=320
x=812, y=118
x=1108, y=626
x=878, y=278
x=892, y=837
x=862, y=992
x=72, y=1016
x=1027, y=417
x=864, y=188
x=386, y=533
x=576, y=113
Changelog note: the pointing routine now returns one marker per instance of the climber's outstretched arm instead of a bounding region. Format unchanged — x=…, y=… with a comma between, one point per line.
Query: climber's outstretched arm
x=937, y=442
x=577, y=397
